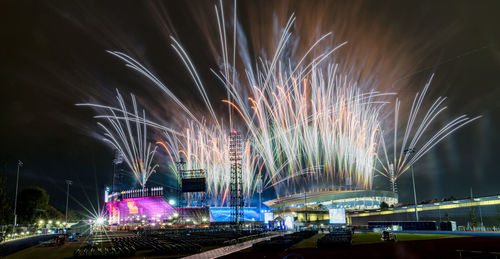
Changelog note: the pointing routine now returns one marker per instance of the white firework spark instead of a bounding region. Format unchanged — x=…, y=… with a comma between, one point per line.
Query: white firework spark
x=410, y=152
x=130, y=141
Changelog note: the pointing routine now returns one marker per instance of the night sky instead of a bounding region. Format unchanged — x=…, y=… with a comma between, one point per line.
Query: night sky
x=53, y=56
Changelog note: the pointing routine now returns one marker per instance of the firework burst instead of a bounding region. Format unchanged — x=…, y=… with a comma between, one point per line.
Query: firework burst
x=130, y=141
x=307, y=119
x=413, y=146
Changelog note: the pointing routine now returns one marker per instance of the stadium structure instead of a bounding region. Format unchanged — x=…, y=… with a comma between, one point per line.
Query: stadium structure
x=363, y=206
x=314, y=206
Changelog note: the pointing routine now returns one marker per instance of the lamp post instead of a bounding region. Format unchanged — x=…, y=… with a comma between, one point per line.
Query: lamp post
x=479, y=208
x=305, y=197
x=68, y=183
x=411, y=151
x=19, y=164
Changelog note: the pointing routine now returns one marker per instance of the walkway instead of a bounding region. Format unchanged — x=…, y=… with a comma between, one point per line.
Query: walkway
x=218, y=252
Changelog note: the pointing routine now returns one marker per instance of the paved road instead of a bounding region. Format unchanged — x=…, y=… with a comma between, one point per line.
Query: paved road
x=13, y=246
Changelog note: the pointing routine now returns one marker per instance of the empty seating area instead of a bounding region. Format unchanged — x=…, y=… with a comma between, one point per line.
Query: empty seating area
x=164, y=242
x=281, y=243
x=208, y=237
x=139, y=243
x=336, y=239
x=176, y=248
x=113, y=251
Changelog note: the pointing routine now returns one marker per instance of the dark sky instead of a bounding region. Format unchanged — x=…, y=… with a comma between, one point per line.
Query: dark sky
x=53, y=56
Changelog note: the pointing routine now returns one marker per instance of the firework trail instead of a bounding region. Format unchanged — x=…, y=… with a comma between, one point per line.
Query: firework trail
x=207, y=147
x=305, y=117
x=409, y=153
x=297, y=117
x=130, y=141
x=308, y=121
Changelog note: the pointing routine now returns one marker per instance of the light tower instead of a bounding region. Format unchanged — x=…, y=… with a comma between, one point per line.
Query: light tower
x=260, y=189
x=393, y=178
x=236, y=183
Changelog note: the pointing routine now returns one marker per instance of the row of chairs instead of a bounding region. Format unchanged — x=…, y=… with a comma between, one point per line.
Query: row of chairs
x=336, y=239
x=104, y=252
x=179, y=248
x=204, y=238
x=281, y=243
x=140, y=243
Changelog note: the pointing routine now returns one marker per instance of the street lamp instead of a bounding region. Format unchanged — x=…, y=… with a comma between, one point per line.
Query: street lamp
x=19, y=164
x=68, y=183
x=305, y=196
x=412, y=151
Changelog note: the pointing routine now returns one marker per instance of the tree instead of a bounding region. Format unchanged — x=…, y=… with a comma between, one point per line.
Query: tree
x=447, y=217
x=384, y=205
x=33, y=203
x=76, y=215
x=54, y=214
x=5, y=206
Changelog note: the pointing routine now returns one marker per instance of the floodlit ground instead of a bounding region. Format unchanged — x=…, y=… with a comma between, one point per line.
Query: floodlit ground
x=364, y=245
x=370, y=238
x=369, y=245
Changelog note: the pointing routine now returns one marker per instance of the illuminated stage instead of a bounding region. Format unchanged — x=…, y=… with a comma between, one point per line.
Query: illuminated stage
x=149, y=206
x=142, y=209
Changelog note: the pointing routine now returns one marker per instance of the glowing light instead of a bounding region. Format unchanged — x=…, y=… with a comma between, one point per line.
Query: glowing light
x=171, y=202
x=100, y=221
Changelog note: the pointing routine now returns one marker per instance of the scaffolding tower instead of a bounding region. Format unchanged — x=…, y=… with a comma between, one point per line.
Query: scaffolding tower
x=236, y=183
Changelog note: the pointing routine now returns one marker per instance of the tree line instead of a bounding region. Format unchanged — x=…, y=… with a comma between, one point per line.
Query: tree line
x=32, y=205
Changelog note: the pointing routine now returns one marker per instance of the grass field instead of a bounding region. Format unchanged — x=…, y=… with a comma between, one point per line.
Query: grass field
x=370, y=237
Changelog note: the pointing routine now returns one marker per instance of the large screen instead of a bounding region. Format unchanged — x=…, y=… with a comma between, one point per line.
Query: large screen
x=337, y=216
x=223, y=214
x=194, y=184
x=289, y=221
x=268, y=216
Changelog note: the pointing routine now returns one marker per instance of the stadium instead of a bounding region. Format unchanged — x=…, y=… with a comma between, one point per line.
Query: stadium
x=314, y=206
